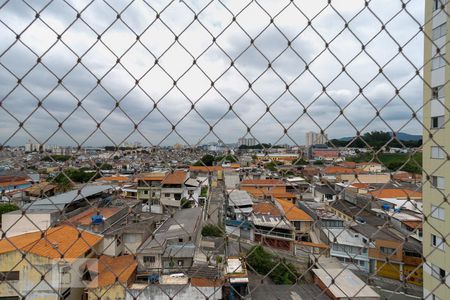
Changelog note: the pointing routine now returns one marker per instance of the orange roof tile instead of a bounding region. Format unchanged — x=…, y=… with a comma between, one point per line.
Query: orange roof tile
x=58, y=240
x=396, y=193
x=114, y=178
x=177, y=177
x=322, y=246
x=360, y=185
x=413, y=224
x=340, y=170
x=109, y=268
x=261, y=182
x=13, y=183
x=84, y=218
x=266, y=208
x=202, y=282
x=205, y=168
x=277, y=192
x=292, y=212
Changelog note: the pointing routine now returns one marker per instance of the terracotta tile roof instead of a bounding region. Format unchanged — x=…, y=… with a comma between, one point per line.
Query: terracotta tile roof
x=177, y=177
x=13, y=183
x=360, y=185
x=114, y=178
x=109, y=268
x=205, y=168
x=59, y=240
x=292, y=212
x=396, y=193
x=151, y=177
x=340, y=170
x=309, y=244
x=277, y=192
x=266, y=208
x=84, y=218
x=11, y=178
x=203, y=282
x=348, y=164
x=413, y=224
x=263, y=182
x=39, y=188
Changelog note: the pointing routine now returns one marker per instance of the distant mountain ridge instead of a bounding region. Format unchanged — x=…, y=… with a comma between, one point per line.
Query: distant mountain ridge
x=402, y=136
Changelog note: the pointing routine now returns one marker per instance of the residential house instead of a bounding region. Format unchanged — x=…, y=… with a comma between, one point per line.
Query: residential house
x=58, y=253
x=110, y=277
x=271, y=228
x=301, y=221
x=149, y=189
x=171, y=247
x=173, y=189
x=350, y=247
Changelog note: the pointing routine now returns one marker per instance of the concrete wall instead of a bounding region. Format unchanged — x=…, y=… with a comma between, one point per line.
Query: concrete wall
x=15, y=224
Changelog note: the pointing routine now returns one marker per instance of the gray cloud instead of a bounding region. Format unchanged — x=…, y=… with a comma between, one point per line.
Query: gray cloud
x=305, y=86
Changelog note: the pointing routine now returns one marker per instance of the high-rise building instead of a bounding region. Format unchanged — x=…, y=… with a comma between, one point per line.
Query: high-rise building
x=313, y=138
x=436, y=167
x=247, y=142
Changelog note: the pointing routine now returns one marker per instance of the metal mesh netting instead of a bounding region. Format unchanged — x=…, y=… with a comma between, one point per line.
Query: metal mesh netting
x=223, y=150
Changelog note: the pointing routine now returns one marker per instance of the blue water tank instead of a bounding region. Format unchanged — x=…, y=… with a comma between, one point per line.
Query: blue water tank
x=385, y=207
x=97, y=219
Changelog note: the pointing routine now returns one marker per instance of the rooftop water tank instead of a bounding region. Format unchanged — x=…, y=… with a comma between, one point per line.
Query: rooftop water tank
x=97, y=219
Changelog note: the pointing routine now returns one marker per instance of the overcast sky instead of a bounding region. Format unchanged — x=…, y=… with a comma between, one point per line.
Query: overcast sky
x=38, y=37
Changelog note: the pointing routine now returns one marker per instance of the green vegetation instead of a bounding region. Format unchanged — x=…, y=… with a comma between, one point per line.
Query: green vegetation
x=104, y=166
x=318, y=162
x=212, y=230
x=206, y=160
x=55, y=157
x=376, y=140
x=272, y=165
x=211, y=160
x=204, y=191
x=81, y=175
x=5, y=208
x=263, y=262
x=185, y=203
x=224, y=158
x=300, y=162
x=393, y=161
x=260, y=146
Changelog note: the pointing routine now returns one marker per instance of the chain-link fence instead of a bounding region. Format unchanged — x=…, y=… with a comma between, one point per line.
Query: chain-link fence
x=224, y=149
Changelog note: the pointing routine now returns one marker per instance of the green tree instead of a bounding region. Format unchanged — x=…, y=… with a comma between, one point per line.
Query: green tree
x=5, y=208
x=206, y=160
x=263, y=262
x=212, y=230
x=299, y=162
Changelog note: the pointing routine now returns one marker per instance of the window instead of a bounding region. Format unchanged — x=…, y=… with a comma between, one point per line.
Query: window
x=437, y=4
x=438, y=182
x=437, y=122
x=145, y=192
x=437, y=272
x=434, y=297
x=437, y=152
x=439, y=31
x=436, y=241
x=387, y=251
x=9, y=275
x=437, y=92
x=437, y=62
x=167, y=195
x=437, y=212
x=180, y=262
x=149, y=259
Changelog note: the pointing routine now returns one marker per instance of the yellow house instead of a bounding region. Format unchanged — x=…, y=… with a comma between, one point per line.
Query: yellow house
x=111, y=277
x=42, y=265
